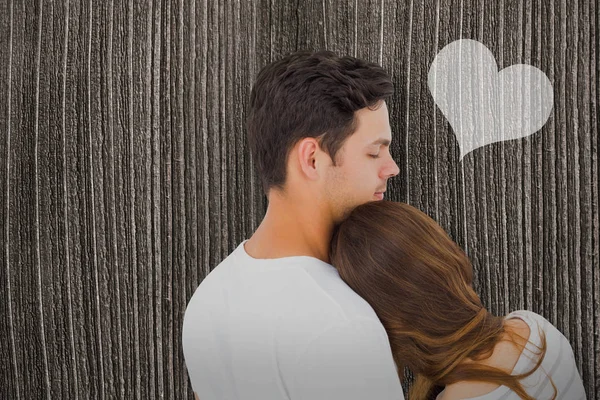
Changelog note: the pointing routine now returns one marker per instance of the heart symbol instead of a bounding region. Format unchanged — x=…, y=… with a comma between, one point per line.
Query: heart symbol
x=483, y=105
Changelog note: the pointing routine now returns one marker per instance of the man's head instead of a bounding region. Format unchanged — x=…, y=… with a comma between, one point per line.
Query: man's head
x=312, y=123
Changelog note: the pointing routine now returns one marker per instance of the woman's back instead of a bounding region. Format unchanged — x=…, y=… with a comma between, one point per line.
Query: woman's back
x=558, y=364
x=420, y=284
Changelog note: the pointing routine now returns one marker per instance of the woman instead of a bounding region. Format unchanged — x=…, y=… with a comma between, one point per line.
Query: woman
x=418, y=281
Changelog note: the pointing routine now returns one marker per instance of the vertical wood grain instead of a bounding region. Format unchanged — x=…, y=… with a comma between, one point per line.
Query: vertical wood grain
x=8, y=348
x=125, y=174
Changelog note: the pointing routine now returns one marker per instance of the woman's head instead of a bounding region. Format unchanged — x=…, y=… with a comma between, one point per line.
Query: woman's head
x=419, y=282
x=414, y=276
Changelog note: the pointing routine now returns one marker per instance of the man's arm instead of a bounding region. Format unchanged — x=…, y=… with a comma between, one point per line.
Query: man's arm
x=350, y=361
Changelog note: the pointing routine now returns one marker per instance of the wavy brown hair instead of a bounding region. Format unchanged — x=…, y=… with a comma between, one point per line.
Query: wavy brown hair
x=419, y=283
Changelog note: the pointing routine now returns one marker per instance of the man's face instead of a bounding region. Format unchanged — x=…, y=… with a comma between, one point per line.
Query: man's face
x=364, y=164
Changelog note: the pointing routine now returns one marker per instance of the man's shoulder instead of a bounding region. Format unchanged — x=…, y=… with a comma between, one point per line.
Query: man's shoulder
x=301, y=288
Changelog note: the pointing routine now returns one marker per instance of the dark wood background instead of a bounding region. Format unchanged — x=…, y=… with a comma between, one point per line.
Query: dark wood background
x=125, y=174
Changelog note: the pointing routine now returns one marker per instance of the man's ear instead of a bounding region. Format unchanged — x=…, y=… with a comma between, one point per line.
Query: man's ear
x=310, y=157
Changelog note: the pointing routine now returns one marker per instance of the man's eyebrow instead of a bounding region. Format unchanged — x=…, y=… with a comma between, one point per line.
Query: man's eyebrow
x=382, y=141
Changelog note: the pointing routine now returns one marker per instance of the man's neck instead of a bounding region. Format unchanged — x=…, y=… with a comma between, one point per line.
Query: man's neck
x=288, y=229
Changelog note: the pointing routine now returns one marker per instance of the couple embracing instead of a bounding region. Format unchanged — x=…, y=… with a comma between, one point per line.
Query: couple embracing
x=338, y=290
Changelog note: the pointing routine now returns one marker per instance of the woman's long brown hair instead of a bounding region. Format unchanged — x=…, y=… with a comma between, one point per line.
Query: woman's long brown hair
x=419, y=283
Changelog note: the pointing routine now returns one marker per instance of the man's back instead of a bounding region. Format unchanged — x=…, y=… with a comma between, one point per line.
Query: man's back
x=286, y=328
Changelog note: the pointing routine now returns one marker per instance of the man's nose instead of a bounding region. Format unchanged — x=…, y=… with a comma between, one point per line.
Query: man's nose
x=391, y=169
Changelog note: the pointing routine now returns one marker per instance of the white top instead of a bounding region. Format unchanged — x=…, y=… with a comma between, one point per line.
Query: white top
x=286, y=328
x=558, y=364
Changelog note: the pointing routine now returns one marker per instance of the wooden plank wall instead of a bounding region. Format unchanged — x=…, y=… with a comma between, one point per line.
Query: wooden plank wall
x=125, y=175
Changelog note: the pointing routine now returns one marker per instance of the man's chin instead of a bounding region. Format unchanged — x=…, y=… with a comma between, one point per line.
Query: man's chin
x=378, y=196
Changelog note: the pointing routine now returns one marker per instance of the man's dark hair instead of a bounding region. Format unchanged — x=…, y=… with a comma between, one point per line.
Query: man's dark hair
x=308, y=94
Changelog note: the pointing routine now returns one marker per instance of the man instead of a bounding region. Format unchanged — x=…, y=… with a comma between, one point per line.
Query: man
x=274, y=320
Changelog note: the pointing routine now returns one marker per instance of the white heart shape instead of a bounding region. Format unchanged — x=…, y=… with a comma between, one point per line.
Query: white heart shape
x=482, y=105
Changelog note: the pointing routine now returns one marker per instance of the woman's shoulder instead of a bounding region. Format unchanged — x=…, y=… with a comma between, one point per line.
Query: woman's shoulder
x=558, y=363
x=543, y=334
x=527, y=315
x=536, y=322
